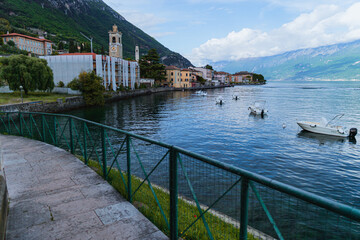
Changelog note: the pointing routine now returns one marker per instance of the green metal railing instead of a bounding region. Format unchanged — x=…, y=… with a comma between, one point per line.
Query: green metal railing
x=188, y=195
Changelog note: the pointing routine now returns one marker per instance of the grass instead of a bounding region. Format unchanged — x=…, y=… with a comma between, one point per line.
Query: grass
x=187, y=213
x=15, y=97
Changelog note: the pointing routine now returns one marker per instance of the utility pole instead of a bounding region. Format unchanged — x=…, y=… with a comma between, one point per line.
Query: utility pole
x=90, y=39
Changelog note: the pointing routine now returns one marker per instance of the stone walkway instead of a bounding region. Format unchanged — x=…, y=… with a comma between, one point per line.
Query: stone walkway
x=53, y=195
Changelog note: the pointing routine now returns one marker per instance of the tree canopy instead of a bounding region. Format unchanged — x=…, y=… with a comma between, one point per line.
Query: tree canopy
x=29, y=72
x=92, y=89
x=150, y=66
x=209, y=67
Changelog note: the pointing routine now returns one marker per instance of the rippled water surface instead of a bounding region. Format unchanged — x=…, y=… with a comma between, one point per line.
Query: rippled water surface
x=327, y=166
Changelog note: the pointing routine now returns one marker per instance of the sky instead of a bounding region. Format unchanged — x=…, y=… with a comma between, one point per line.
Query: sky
x=206, y=31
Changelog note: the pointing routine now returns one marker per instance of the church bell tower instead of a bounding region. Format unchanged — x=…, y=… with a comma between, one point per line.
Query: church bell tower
x=115, y=43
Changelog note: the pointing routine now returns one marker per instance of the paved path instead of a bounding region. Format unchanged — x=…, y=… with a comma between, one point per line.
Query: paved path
x=53, y=195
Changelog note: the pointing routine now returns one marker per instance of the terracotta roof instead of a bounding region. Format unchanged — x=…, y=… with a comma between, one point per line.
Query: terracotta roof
x=186, y=69
x=222, y=73
x=25, y=36
x=172, y=68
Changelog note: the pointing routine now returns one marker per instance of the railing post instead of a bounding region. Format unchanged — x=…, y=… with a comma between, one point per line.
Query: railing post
x=173, y=195
x=21, y=126
x=103, y=144
x=55, y=132
x=71, y=135
x=43, y=127
x=244, y=208
x=85, y=143
x=8, y=119
x=128, y=158
x=31, y=126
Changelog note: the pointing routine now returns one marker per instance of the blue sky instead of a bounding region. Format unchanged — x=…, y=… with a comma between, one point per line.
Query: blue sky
x=216, y=30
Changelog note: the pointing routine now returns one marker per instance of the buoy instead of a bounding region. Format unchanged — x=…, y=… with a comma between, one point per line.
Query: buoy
x=284, y=125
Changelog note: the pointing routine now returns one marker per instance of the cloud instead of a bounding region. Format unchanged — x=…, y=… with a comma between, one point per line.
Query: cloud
x=327, y=24
x=143, y=20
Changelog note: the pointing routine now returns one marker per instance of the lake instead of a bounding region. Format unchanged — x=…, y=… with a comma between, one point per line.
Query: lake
x=273, y=146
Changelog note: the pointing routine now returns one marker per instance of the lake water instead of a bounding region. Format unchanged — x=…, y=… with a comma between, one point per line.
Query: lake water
x=323, y=165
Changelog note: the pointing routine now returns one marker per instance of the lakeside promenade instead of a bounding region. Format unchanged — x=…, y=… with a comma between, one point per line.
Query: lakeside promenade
x=53, y=195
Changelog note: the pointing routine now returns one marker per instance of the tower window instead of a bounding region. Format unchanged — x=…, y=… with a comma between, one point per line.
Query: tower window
x=114, y=40
x=119, y=40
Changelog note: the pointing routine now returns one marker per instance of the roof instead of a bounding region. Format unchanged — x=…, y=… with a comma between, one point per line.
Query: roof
x=172, y=68
x=186, y=69
x=25, y=36
x=221, y=73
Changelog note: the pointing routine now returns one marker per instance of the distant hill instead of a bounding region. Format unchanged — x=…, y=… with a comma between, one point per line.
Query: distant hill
x=65, y=19
x=339, y=61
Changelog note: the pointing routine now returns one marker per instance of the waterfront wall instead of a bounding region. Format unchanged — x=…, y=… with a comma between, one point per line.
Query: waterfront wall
x=78, y=102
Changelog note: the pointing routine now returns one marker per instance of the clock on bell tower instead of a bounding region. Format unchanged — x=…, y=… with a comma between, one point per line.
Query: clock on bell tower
x=115, y=43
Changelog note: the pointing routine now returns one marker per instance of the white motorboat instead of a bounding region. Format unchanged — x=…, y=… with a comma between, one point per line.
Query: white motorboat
x=200, y=92
x=258, y=108
x=220, y=100
x=236, y=95
x=328, y=127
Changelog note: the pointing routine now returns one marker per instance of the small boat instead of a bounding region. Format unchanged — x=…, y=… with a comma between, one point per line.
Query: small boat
x=200, y=92
x=258, y=108
x=220, y=100
x=236, y=95
x=328, y=127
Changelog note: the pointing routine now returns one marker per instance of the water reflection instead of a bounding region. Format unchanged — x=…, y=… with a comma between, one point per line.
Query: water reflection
x=321, y=138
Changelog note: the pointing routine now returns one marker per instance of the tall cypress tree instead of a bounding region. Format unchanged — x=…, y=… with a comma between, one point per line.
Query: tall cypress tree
x=150, y=66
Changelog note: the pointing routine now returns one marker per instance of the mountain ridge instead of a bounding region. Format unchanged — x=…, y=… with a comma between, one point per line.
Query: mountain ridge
x=64, y=20
x=336, y=61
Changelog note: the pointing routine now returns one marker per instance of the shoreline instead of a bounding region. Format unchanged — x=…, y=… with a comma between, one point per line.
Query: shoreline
x=77, y=102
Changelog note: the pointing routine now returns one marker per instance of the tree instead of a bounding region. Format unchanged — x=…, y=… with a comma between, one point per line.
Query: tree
x=72, y=47
x=200, y=79
x=11, y=43
x=29, y=72
x=60, y=45
x=209, y=67
x=92, y=88
x=150, y=66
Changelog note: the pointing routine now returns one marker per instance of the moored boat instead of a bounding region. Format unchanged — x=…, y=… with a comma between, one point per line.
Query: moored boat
x=328, y=128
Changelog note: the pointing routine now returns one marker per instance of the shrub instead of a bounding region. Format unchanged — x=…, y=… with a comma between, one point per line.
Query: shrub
x=91, y=88
x=61, y=84
x=74, y=84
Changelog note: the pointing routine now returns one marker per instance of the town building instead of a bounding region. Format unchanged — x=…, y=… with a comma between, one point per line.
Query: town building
x=114, y=71
x=173, y=78
x=222, y=77
x=207, y=74
x=242, y=77
x=186, y=78
x=38, y=46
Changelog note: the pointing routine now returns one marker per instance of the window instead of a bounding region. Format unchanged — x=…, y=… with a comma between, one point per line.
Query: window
x=172, y=74
x=186, y=74
x=113, y=40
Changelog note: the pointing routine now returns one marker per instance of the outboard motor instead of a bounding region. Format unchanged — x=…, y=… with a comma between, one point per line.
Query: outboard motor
x=220, y=102
x=262, y=113
x=352, y=133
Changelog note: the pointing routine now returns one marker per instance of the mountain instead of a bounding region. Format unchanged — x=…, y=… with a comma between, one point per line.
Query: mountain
x=338, y=61
x=63, y=20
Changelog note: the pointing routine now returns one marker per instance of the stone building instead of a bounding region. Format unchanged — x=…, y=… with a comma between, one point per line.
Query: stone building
x=37, y=46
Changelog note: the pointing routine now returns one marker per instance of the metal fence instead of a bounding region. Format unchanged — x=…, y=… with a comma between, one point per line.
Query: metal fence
x=188, y=195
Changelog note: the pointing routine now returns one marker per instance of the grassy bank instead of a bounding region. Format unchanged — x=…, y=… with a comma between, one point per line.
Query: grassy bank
x=145, y=202
x=15, y=97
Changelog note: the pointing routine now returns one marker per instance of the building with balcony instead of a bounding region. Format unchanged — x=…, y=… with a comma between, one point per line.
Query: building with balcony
x=38, y=46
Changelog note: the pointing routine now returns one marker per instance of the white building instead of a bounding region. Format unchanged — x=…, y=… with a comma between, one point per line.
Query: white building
x=114, y=71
